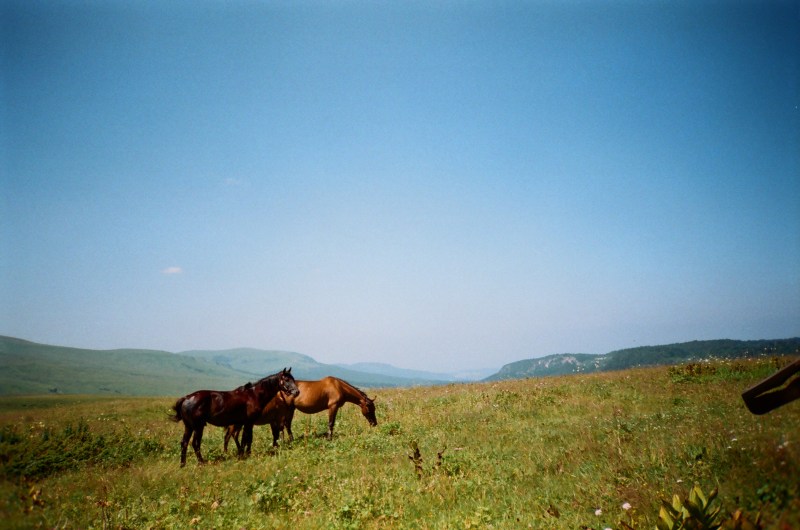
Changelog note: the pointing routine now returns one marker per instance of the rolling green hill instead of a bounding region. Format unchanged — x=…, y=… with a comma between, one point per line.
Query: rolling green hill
x=31, y=368
x=571, y=363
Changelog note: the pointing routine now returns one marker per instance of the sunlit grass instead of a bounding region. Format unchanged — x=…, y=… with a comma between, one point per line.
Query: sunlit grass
x=560, y=452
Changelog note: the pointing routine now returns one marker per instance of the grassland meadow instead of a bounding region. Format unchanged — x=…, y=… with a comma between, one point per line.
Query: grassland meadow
x=583, y=451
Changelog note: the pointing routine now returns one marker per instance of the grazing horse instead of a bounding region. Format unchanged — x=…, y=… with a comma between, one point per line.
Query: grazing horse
x=329, y=393
x=274, y=413
x=240, y=406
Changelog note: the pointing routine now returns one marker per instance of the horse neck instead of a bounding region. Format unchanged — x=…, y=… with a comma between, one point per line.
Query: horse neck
x=352, y=394
x=267, y=387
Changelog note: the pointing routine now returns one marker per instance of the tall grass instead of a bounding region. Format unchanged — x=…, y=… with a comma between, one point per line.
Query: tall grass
x=564, y=452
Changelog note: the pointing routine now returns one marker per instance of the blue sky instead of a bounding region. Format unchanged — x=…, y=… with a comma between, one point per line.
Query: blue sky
x=434, y=185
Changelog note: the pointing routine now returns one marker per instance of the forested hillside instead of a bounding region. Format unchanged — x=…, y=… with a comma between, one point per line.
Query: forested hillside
x=570, y=363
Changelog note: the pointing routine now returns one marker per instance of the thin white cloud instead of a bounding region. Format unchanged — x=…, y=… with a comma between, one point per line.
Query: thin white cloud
x=172, y=270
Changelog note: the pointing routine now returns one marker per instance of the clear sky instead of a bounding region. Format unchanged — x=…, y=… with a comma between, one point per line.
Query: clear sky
x=436, y=185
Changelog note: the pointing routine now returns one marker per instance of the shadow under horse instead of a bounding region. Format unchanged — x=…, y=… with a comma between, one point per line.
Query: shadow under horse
x=241, y=406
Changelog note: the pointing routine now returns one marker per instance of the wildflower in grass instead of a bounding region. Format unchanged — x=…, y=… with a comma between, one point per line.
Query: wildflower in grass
x=598, y=512
x=626, y=506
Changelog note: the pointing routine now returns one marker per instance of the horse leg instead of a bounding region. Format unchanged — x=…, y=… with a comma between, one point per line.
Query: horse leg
x=240, y=444
x=247, y=439
x=187, y=434
x=332, y=420
x=196, y=441
x=276, y=432
x=288, y=423
x=236, y=439
x=232, y=431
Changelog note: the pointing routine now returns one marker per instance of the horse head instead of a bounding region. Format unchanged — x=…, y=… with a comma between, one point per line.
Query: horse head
x=287, y=384
x=368, y=410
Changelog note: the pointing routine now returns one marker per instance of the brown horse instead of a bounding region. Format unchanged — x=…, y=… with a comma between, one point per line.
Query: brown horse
x=329, y=393
x=274, y=413
x=240, y=406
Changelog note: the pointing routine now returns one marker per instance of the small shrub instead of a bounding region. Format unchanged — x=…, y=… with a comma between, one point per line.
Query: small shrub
x=354, y=512
x=690, y=372
x=416, y=458
x=391, y=428
x=269, y=496
x=447, y=466
x=774, y=493
x=505, y=398
x=692, y=513
x=50, y=451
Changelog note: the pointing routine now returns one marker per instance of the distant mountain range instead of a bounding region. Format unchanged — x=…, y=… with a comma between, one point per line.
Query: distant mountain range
x=418, y=375
x=30, y=368
x=571, y=363
x=254, y=361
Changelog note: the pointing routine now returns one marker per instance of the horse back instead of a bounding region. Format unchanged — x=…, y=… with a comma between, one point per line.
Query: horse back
x=316, y=396
x=220, y=408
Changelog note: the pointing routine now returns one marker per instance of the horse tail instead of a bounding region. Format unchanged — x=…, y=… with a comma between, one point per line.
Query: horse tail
x=177, y=408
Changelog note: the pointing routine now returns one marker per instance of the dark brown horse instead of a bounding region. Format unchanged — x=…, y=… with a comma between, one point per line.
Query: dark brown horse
x=329, y=393
x=240, y=406
x=273, y=414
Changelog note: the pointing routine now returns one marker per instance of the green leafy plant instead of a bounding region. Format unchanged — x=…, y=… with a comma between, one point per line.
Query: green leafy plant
x=52, y=451
x=392, y=428
x=694, y=512
x=271, y=495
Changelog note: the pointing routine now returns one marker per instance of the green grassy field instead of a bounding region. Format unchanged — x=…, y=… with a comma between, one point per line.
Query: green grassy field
x=562, y=452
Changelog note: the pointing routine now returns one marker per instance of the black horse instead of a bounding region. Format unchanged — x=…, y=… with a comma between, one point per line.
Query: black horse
x=274, y=414
x=242, y=406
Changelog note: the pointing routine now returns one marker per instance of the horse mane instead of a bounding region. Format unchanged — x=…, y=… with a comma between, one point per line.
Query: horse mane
x=354, y=387
x=270, y=380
